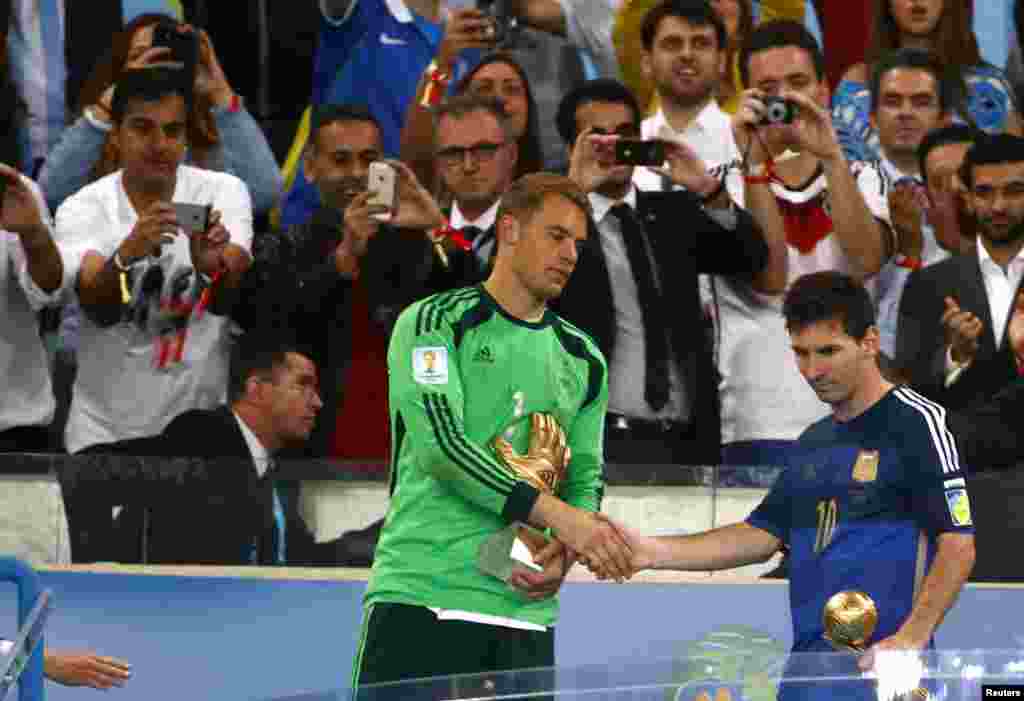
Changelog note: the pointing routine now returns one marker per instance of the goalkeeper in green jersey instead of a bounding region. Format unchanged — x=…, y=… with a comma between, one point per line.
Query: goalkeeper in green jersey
x=492, y=397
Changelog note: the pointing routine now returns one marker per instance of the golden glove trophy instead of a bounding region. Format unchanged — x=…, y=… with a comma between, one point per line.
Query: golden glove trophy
x=850, y=618
x=543, y=467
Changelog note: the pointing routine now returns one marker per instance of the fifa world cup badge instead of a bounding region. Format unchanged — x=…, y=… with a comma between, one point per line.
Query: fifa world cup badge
x=866, y=467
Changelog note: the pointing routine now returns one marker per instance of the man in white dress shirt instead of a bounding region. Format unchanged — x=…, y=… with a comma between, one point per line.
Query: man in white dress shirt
x=685, y=50
x=952, y=338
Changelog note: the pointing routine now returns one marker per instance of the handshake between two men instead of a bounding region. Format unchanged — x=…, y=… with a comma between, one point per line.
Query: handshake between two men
x=605, y=547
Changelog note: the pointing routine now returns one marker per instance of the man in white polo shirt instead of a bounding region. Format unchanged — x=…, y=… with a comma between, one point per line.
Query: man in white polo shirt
x=152, y=287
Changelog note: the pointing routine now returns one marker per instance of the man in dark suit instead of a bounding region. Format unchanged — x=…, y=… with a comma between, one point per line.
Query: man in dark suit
x=223, y=509
x=476, y=158
x=635, y=287
x=952, y=341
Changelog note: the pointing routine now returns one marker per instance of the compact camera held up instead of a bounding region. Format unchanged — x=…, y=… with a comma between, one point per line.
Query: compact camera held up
x=778, y=110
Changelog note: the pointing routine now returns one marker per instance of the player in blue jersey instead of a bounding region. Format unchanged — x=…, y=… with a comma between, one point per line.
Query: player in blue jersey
x=873, y=497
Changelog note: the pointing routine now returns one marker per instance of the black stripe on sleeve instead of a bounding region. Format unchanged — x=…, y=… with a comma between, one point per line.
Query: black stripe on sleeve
x=420, y=315
x=471, y=451
x=485, y=477
x=445, y=305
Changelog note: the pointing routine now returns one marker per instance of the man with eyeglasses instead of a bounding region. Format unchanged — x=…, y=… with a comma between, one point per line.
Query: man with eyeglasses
x=476, y=160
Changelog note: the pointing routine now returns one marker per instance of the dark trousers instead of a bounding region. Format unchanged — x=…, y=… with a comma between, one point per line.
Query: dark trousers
x=402, y=643
x=26, y=439
x=670, y=449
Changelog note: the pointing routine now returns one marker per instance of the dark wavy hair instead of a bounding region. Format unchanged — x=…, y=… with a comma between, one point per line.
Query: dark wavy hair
x=955, y=42
x=827, y=296
x=531, y=156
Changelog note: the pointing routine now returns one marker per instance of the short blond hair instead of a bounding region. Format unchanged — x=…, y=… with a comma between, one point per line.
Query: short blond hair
x=526, y=195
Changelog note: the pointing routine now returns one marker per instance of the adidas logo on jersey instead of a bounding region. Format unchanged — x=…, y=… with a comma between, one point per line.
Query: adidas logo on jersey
x=484, y=355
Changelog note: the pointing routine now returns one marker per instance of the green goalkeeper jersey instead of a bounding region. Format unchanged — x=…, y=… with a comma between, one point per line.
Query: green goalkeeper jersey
x=462, y=372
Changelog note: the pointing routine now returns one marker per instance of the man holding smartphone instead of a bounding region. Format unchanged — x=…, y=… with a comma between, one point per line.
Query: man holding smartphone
x=338, y=282
x=153, y=341
x=644, y=257
x=340, y=279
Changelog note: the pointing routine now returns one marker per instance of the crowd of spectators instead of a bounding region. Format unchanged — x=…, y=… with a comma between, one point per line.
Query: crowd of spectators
x=169, y=246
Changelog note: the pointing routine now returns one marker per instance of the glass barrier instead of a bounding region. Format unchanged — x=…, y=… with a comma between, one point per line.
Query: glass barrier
x=897, y=676
x=335, y=508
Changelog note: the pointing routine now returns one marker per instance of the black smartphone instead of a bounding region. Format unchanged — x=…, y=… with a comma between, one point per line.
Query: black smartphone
x=499, y=16
x=634, y=152
x=184, y=46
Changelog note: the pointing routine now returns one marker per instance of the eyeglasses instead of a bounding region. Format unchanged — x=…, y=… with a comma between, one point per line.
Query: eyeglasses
x=454, y=156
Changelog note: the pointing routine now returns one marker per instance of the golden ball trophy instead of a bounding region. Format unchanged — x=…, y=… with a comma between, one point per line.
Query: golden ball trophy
x=850, y=618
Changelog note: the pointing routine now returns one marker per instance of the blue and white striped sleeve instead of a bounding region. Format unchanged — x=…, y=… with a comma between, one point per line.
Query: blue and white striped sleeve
x=937, y=479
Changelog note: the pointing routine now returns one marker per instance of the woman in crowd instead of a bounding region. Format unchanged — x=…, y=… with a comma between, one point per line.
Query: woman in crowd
x=496, y=75
x=940, y=26
x=222, y=134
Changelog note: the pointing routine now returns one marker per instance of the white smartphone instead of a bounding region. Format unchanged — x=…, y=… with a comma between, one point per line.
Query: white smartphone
x=383, y=186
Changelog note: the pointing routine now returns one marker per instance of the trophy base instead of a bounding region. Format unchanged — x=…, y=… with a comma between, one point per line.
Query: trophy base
x=509, y=548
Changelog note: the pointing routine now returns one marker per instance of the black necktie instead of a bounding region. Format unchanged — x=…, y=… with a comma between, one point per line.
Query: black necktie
x=656, y=382
x=471, y=232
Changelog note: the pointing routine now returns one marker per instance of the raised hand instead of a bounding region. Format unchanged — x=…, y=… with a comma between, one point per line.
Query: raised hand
x=416, y=208
x=592, y=161
x=745, y=123
x=944, y=209
x=157, y=226
x=812, y=127
x=359, y=227
x=686, y=169
x=211, y=81
x=207, y=247
x=466, y=28
x=907, y=203
x=20, y=213
x=963, y=331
